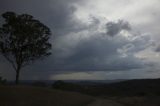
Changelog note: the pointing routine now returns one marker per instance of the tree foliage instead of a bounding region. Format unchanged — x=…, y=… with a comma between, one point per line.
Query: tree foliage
x=23, y=40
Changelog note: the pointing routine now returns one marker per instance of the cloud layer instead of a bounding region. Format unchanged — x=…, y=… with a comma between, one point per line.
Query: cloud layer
x=93, y=37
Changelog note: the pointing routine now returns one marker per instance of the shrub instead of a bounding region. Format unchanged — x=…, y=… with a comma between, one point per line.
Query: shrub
x=2, y=81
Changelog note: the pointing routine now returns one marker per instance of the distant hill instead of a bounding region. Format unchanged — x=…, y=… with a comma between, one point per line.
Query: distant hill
x=80, y=82
x=141, y=87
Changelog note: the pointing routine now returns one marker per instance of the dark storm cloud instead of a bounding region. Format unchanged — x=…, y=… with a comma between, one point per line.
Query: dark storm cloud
x=77, y=46
x=157, y=49
x=57, y=14
x=113, y=28
x=100, y=53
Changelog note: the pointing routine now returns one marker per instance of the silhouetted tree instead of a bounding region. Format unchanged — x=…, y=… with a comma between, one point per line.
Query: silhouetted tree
x=23, y=40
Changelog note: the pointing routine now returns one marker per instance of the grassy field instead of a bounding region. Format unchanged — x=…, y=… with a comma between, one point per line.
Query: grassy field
x=36, y=96
x=142, y=87
x=127, y=93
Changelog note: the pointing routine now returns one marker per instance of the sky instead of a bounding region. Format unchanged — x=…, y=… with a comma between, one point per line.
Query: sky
x=93, y=39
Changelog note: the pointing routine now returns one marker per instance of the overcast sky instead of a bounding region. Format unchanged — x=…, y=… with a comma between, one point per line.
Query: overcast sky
x=93, y=39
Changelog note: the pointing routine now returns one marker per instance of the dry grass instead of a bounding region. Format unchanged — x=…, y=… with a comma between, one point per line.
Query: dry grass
x=137, y=101
x=35, y=96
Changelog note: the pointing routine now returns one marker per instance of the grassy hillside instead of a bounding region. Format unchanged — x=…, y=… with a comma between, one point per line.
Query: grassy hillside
x=127, y=93
x=35, y=96
x=143, y=87
x=142, y=92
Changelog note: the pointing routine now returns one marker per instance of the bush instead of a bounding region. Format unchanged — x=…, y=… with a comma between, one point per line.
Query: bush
x=2, y=81
x=67, y=86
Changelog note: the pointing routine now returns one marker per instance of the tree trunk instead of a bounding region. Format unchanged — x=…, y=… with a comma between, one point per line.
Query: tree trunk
x=17, y=76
